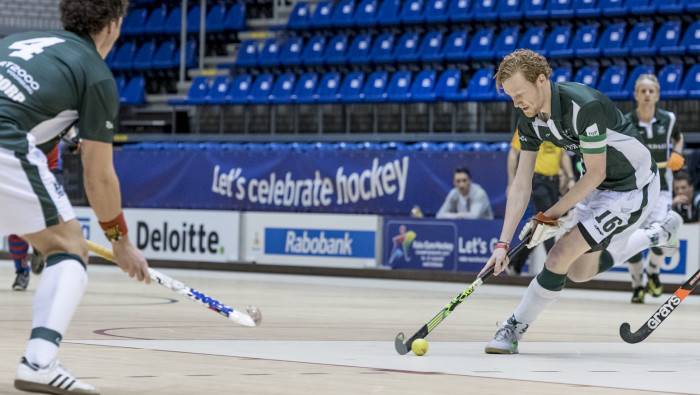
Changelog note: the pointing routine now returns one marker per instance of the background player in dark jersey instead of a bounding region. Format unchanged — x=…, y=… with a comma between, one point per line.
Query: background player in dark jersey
x=618, y=188
x=49, y=81
x=657, y=129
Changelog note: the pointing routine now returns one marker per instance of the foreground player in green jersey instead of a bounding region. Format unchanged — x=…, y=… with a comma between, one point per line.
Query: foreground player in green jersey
x=617, y=191
x=48, y=82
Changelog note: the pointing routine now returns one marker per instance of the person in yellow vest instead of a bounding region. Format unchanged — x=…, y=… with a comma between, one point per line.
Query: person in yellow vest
x=552, y=166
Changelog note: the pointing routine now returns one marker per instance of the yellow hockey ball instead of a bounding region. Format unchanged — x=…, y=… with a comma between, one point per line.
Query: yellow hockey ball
x=419, y=347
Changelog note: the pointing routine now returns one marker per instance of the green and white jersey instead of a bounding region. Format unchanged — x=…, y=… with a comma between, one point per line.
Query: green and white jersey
x=658, y=136
x=586, y=121
x=50, y=80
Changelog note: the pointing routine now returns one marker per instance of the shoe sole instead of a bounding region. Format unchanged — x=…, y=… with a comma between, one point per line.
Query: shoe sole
x=490, y=350
x=29, y=386
x=19, y=288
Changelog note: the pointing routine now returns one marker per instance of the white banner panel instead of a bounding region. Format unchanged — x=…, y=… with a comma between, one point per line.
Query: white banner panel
x=677, y=268
x=304, y=239
x=179, y=235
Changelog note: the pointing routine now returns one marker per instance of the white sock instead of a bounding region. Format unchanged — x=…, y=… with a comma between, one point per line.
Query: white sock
x=57, y=296
x=655, y=262
x=535, y=300
x=640, y=240
x=637, y=272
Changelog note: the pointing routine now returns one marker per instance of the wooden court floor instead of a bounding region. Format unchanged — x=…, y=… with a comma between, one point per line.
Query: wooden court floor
x=331, y=335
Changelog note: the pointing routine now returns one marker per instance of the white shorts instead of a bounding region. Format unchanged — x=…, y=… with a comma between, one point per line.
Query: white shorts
x=30, y=197
x=661, y=209
x=608, y=218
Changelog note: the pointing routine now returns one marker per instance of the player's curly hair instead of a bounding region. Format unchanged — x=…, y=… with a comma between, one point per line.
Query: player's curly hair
x=530, y=64
x=86, y=17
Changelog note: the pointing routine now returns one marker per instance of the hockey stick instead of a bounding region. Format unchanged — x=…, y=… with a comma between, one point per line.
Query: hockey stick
x=661, y=314
x=403, y=348
x=253, y=318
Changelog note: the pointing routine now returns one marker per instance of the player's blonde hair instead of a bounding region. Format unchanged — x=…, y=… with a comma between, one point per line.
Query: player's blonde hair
x=524, y=61
x=651, y=77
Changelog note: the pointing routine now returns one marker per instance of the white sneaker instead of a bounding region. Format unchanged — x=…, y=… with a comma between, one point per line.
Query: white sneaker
x=53, y=379
x=670, y=225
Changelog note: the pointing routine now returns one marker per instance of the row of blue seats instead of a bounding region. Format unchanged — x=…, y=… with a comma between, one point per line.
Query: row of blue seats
x=319, y=146
x=150, y=55
x=162, y=20
x=132, y=92
x=392, y=12
x=485, y=44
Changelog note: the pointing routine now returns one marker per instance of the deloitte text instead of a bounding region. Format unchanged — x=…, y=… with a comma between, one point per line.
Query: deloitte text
x=189, y=238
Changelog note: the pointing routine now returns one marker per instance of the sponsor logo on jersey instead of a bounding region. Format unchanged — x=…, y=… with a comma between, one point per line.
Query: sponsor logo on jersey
x=661, y=130
x=592, y=131
x=109, y=125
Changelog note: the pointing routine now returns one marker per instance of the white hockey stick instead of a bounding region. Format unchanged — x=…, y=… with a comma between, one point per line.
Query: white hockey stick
x=253, y=318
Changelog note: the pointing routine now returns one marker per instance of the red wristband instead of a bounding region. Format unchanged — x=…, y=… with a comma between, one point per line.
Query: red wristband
x=504, y=246
x=115, y=229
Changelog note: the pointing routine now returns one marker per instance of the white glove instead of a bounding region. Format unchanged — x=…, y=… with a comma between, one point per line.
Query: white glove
x=542, y=229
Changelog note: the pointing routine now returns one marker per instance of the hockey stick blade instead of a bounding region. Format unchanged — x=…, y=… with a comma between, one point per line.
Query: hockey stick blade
x=661, y=313
x=404, y=347
x=251, y=319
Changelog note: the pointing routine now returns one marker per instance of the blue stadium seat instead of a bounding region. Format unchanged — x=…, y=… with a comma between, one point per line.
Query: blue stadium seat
x=124, y=56
x=480, y=87
x=291, y=51
x=163, y=58
x=343, y=13
x=691, y=38
x=560, y=8
x=435, y=11
x=692, y=5
x=305, y=88
x=218, y=90
x=628, y=91
x=270, y=54
x=506, y=42
x=337, y=49
x=328, y=88
x=484, y=10
x=135, y=21
x=299, y=18
x=561, y=74
x=691, y=83
x=587, y=75
x=215, y=18
x=670, y=79
x=535, y=9
x=382, y=49
x=612, y=40
x=480, y=44
x=533, y=39
x=585, y=41
x=134, y=92
x=667, y=39
x=314, y=50
x=173, y=23
x=321, y=17
x=156, y=20
x=422, y=88
x=240, y=89
x=412, y=11
x=235, y=18
x=121, y=83
x=399, y=85
x=359, y=51
x=557, y=44
x=640, y=6
x=509, y=9
x=143, y=60
x=374, y=90
x=459, y=11
x=247, y=54
x=282, y=90
x=456, y=46
x=349, y=91
x=431, y=47
x=110, y=56
x=388, y=13
x=407, y=48
x=190, y=55
x=586, y=9
x=612, y=7
x=639, y=39
x=193, y=19
x=366, y=13
x=447, y=86
x=669, y=6
x=612, y=81
x=260, y=91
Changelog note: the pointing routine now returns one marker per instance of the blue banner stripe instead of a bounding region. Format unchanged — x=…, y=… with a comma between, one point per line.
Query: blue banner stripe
x=316, y=242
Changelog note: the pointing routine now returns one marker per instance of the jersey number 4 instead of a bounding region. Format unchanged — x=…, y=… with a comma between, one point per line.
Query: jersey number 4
x=26, y=49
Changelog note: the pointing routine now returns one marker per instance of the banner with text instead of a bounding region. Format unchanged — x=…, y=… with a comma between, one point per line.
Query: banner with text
x=342, y=181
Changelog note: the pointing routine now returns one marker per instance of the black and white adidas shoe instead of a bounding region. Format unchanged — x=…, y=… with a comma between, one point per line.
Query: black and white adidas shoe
x=53, y=379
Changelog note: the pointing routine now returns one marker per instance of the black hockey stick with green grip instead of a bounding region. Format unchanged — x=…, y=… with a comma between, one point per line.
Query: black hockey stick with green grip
x=403, y=347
